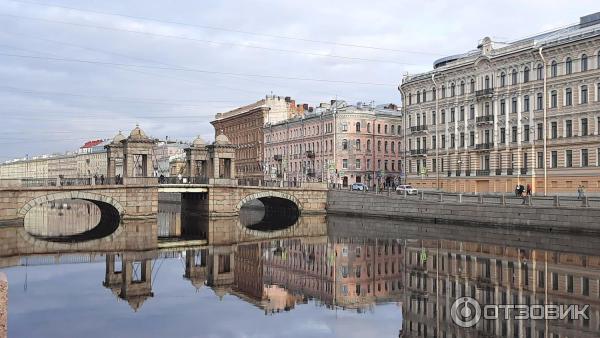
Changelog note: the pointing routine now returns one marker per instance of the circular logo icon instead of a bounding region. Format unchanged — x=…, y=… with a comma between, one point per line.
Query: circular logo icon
x=465, y=312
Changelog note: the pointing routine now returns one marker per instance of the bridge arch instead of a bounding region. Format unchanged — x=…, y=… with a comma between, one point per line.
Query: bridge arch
x=269, y=196
x=111, y=212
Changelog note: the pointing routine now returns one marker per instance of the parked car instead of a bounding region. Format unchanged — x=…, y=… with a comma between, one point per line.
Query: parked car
x=359, y=187
x=408, y=189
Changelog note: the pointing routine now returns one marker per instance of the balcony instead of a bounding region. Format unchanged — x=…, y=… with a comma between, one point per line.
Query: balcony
x=484, y=146
x=458, y=172
x=449, y=173
x=485, y=119
x=483, y=172
x=467, y=172
x=484, y=93
x=421, y=152
x=278, y=157
x=523, y=171
x=310, y=154
x=416, y=129
x=498, y=172
x=509, y=171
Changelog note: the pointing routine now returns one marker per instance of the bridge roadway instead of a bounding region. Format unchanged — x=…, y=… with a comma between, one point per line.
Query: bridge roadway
x=136, y=206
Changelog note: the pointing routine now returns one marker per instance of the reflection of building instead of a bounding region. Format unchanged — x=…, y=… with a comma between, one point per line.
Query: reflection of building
x=484, y=130
x=196, y=267
x=438, y=272
x=337, y=143
x=129, y=277
x=244, y=127
x=62, y=218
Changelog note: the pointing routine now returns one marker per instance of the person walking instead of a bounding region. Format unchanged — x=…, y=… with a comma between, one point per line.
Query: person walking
x=580, y=192
x=517, y=190
x=528, y=189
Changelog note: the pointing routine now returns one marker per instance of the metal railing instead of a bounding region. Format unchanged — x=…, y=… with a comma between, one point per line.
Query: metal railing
x=498, y=172
x=483, y=172
x=183, y=180
x=485, y=118
x=484, y=146
x=497, y=199
x=418, y=151
x=484, y=92
x=418, y=128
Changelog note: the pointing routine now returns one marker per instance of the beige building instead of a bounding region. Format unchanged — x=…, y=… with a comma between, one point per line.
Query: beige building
x=525, y=112
x=336, y=143
x=244, y=127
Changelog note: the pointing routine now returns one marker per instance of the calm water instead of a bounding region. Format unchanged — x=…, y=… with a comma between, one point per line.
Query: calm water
x=356, y=278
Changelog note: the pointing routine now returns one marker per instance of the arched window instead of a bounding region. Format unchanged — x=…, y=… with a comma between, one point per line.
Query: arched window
x=526, y=74
x=472, y=86
x=487, y=82
x=584, y=94
x=393, y=147
x=357, y=144
x=418, y=97
x=433, y=93
x=443, y=92
x=568, y=66
x=452, y=90
x=502, y=79
x=368, y=145
x=540, y=72
x=553, y=99
x=553, y=69
x=385, y=146
x=368, y=127
x=358, y=127
x=378, y=145
x=568, y=97
x=409, y=99
x=514, y=77
x=584, y=63
x=345, y=144
x=462, y=88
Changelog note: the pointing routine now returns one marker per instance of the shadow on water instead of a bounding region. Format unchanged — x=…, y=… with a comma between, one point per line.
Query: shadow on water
x=72, y=220
x=269, y=214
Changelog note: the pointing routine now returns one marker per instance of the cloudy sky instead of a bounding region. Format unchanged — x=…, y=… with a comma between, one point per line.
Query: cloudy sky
x=72, y=71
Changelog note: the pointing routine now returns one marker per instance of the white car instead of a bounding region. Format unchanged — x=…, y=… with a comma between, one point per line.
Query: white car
x=359, y=187
x=406, y=189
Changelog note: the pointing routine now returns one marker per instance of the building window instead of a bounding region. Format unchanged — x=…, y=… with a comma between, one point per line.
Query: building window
x=568, y=97
x=472, y=112
x=358, y=127
x=568, y=66
x=462, y=112
x=540, y=131
x=368, y=164
x=526, y=133
x=502, y=79
x=345, y=163
x=393, y=147
x=540, y=72
x=433, y=118
x=444, y=142
x=584, y=127
x=357, y=144
x=443, y=116
x=409, y=99
x=472, y=138
x=502, y=135
x=568, y=128
x=584, y=158
x=503, y=107
x=462, y=88
x=514, y=133
x=540, y=159
x=514, y=77
x=472, y=85
x=385, y=147
x=344, y=126
x=368, y=127
x=462, y=140
x=379, y=145
x=452, y=141
x=433, y=93
x=553, y=99
x=553, y=69
x=378, y=128
x=385, y=129
x=452, y=115
x=526, y=74
x=418, y=97
x=569, y=158
x=357, y=164
x=443, y=92
x=487, y=109
x=584, y=63
x=554, y=159
x=452, y=90
x=345, y=144
x=539, y=103
x=526, y=103
x=487, y=82
x=584, y=94
x=554, y=129
x=513, y=105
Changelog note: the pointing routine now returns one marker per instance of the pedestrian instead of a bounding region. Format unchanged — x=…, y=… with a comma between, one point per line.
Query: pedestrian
x=95, y=178
x=528, y=189
x=179, y=178
x=102, y=179
x=580, y=192
x=521, y=190
x=517, y=190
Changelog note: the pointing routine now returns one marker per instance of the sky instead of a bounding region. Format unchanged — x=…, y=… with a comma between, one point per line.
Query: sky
x=72, y=71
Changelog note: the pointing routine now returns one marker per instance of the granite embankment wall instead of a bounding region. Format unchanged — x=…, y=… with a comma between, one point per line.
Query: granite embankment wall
x=550, y=219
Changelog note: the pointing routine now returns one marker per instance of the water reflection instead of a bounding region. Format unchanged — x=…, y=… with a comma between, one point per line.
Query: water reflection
x=388, y=279
x=62, y=218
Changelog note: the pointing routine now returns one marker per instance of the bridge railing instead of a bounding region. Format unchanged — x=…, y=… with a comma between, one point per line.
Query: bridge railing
x=183, y=180
x=269, y=183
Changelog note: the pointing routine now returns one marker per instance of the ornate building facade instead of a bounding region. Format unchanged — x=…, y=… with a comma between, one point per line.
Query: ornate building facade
x=526, y=112
x=336, y=143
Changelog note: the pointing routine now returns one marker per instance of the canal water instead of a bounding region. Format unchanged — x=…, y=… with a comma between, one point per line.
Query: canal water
x=338, y=277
